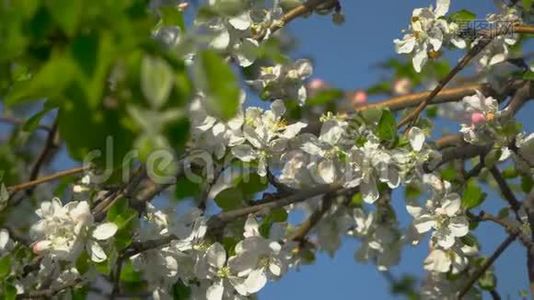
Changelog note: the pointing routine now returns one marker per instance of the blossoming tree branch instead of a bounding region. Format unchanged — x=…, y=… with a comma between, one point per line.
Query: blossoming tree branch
x=194, y=140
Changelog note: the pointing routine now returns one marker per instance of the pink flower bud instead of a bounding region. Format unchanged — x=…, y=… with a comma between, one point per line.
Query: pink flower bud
x=402, y=86
x=40, y=246
x=317, y=84
x=183, y=6
x=358, y=98
x=477, y=118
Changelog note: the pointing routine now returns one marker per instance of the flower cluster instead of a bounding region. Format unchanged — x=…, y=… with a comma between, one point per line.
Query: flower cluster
x=427, y=33
x=64, y=232
x=284, y=81
x=208, y=268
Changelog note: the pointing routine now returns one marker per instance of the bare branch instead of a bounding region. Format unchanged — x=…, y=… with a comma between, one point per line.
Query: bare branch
x=44, y=179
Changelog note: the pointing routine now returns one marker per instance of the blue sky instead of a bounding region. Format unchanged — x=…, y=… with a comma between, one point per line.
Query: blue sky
x=344, y=56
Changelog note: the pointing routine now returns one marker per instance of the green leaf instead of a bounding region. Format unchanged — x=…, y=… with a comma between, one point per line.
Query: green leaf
x=229, y=199
x=412, y=191
x=387, y=126
x=526, y=184
x=100, y=135
x=492, y=157
x=171, y=16
x=469, y=240
x=325, y=97
x=357, y=199
x=121, y=213
x=66, y=13
x=180, y=291
x=32, y=123
x=379, y=88
x=129, y=274
x=5, y=266
x=473, y=195
x=371, y=115
x=10, y=291
x=252, y=183
x=527, y=5
x=462, y=16
x=93, y=53
x=79, y=293
x=48, y=82
x=156, y=80
x=185, y=188
x=277, y=215
x=488, y=281
x=216, y=78
x=528, y=75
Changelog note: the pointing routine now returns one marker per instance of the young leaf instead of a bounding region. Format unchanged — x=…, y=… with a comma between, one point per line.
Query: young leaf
x=156, y=80
x=473, y=195
x=462, y=16
x=387, y=127
x=217, y=80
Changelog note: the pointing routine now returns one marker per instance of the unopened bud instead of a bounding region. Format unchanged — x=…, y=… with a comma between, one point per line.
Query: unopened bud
x=358, y=98
x=183, y=6
x=402, y=86
x=477, y=118
x=40, y=246
x=317, y=84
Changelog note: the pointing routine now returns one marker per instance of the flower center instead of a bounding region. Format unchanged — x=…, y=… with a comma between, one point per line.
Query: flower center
x=224, y=272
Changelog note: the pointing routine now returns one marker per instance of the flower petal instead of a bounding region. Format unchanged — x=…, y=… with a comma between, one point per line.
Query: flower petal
x=97, y=253
x=215, y=292
x=417, y=138
x=105, y=231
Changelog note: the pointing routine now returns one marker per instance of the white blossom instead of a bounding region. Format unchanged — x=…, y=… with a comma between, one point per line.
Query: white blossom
x=442, y=214
x=63, y=232
x=376, y=165
x=284, y=81
x=427, y=33
x=499, y=48
x=480, y=112
x=454, y=259
x=267, y=134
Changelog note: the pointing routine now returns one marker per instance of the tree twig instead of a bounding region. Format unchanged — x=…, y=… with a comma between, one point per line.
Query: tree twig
x=506, y=190
x=415, y=99
x=412, y=116
x=49, y=147
x=49, y=293
x=294, y=13
x=18, y=122
x=44, y=179
x=485, y=266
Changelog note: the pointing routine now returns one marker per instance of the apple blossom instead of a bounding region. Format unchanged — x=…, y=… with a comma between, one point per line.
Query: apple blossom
x=63, y=232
